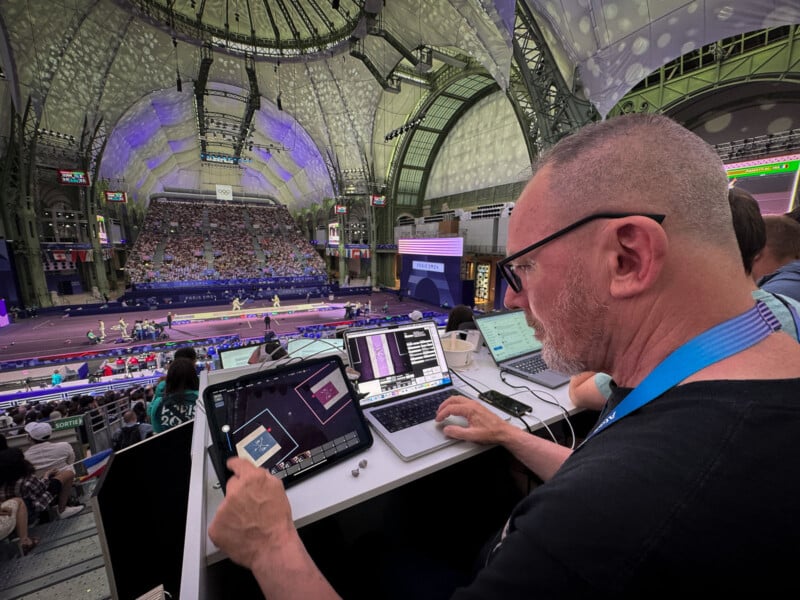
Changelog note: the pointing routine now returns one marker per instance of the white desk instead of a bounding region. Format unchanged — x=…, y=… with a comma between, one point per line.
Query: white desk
x=385, y=471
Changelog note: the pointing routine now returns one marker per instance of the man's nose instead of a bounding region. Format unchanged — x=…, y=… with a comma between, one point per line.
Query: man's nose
x=512, y=299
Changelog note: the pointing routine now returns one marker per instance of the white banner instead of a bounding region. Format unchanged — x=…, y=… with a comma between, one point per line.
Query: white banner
x=224, y=192
x=333, y=232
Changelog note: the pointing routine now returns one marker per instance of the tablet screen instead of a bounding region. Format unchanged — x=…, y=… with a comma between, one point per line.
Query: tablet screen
x=293, y=420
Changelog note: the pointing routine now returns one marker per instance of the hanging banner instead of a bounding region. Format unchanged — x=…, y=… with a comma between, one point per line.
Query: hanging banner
x=224, y=192
x=102, y=235
x=333, y=233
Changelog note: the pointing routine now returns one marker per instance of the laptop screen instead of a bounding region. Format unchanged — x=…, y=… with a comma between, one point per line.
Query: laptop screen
x=289, y=420
x=507, y=334
x=397, y=361
x=305, y=348
x=236, y=357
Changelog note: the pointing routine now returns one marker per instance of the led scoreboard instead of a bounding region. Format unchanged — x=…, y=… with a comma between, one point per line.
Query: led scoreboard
x=66, y=177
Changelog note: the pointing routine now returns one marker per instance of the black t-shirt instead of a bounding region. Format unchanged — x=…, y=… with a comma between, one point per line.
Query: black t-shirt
x=699, y=490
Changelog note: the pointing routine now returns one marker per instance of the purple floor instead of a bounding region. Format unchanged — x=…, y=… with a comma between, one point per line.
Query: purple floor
x=54, y=334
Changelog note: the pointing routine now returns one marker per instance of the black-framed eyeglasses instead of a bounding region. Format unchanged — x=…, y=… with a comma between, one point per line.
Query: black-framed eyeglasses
x=507, y=270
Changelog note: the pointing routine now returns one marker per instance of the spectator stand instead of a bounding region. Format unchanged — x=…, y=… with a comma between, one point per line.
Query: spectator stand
x=84, y=388
x=109, y=352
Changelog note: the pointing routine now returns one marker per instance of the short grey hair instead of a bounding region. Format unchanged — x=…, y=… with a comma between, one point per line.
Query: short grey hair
x=642, y=162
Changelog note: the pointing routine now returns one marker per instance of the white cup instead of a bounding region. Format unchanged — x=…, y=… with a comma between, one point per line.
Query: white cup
x=473, y=336
x=457, y=352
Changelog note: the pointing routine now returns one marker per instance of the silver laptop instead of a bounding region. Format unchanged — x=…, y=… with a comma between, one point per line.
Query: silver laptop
x=236, y=357
x=306, y=347
x=514, y=347
x=403, y=379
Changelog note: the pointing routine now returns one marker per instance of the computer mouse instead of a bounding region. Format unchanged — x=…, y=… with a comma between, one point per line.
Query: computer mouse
x=454, y=420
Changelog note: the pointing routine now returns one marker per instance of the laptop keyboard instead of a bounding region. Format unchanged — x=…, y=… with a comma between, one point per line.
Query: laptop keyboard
x=532, y=364
x=413, y=412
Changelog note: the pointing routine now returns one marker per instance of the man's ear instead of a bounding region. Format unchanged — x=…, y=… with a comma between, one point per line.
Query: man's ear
x=636, y=249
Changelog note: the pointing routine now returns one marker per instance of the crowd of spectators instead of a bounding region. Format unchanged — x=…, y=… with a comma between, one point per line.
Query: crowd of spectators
x=205, y=241
x=42, y=476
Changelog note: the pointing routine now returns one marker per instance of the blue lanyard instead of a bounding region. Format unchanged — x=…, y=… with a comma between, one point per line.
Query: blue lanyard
x=793, y=312
x=796, y=318
x=719, y=342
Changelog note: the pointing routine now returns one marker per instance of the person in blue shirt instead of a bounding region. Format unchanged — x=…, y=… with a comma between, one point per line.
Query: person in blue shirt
x=56, y=378
x=777, y=268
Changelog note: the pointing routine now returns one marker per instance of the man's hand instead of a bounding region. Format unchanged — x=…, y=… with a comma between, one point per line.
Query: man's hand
x=484, y=427
x=255, y=516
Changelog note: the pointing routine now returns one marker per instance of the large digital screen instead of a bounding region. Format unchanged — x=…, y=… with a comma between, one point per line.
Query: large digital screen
x=341, y=209
x=116, y=196
x=431, y=269
x=453, y=246
x=376, y=200
x=66, y=177
x=773, y=182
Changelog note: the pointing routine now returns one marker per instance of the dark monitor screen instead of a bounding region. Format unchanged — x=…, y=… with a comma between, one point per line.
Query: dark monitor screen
x=140, y=507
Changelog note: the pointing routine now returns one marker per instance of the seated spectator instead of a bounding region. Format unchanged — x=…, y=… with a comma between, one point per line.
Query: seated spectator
x=139, y=407
x=272, y=350
x=14, y=517
x=458, y=316
x=18, y=480
x=777, y=268
x=185, y=352
x=133, y=363
x=19, y=424
x=177, y=404
x=56, y=379
x=131, y=432
x=93, y=339
x=45, y=455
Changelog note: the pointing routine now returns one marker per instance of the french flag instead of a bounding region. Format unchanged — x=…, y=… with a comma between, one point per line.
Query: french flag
x=95, y=464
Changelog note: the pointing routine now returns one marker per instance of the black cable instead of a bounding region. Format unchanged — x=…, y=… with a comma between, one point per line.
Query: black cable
x=524, y=422
x=554, y=402
x=527, y=426
x=461, y=377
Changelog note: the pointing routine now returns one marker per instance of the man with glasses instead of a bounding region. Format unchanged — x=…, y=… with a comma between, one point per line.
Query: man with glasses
x=622, y=255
